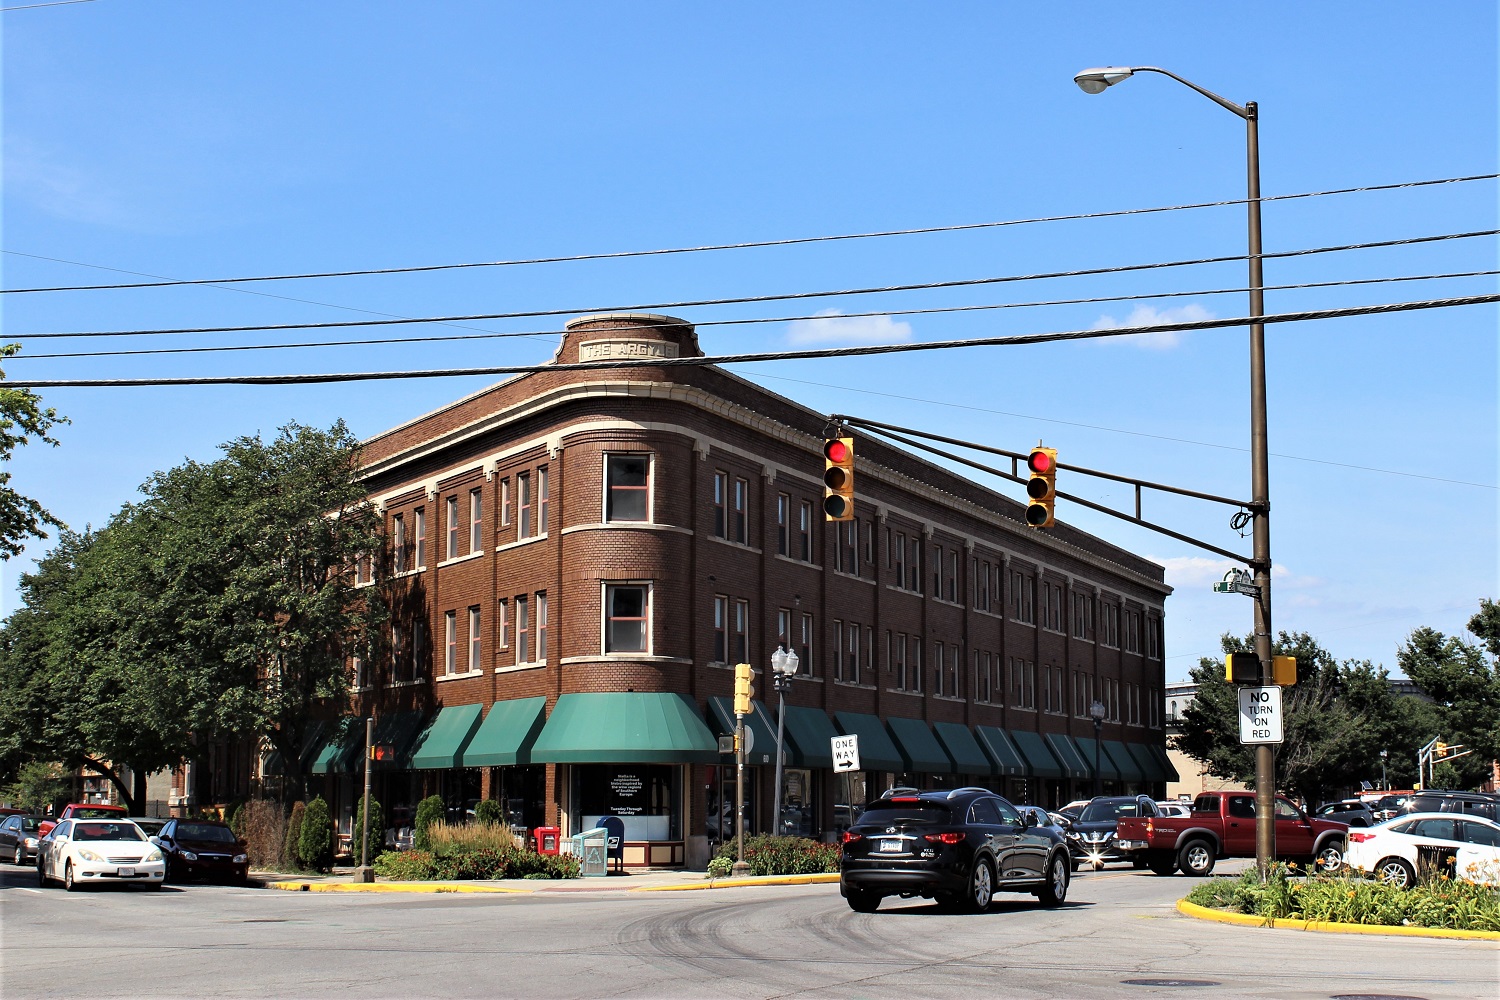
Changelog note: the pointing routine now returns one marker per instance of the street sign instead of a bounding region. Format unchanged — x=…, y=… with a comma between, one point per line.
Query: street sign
x=1260, y=714
x=845, y=753
x=1237, y=581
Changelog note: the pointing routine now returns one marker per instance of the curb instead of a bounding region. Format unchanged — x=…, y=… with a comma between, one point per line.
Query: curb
x=1248, y=920
x=726, y=883
x=390, y=887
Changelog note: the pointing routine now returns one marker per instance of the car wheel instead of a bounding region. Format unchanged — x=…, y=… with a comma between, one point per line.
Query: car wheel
x=1397, y=872
x=981, y=887
x=41, y=874
x=1055, y=890
x=1196, y=858
x=863, y=902
x=1164, y=866
x=1330, y=857
x=69, y=883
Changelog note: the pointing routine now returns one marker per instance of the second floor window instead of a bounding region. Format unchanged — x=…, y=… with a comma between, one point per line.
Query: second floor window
x=523, y=505
x=523, y=630
x=740, y=637
x=627, y=487
x=783, y=528
x=721, y=629
x=804, y=532
x=543, y=498
x=541, y=627
x=450, y=510
x=474, y=659
x=398, y=543
x=419, y=529
x=450, y=643
x=739, y=520
x=476, y=521
x=626, y=609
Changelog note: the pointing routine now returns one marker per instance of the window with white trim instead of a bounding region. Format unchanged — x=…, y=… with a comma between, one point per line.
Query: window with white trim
x=450, y=516
x=476, y=520
x=523, y=629
x=543, y=499
x=475, y=662
x=721, y=628
x=419, y=529
x=739, y=638
x=783, y=524
x=627, y=618
x=523, y=505
x=502, y=623
x=450, y=644
x=740, y=514
x=541, y=626
x=398, y=542
x=627, y=487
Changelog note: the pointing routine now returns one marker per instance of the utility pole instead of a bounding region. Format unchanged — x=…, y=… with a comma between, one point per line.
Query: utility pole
x=364, y=873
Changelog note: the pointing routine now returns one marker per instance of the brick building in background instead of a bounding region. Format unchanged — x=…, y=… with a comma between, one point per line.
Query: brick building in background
x=576, y=559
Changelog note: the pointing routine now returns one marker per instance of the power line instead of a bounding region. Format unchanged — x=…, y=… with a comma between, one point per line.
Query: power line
x=779, y=297
x=832, y=352
x=757, y=320
x=54, y=3
x=792, y=241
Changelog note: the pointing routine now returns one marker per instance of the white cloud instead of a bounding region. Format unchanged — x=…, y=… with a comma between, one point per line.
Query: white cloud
x=840, y=329
x=1151, y=316
x=1192, y=571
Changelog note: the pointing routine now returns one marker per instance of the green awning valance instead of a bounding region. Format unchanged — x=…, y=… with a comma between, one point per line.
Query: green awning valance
x=1072, y=758
x=961, y=745
x=1002, y=749
x=876, y=751
x=345, y=738
x=1169, y=771
x=760, y=723
x=1094, y=750
x=505, y=736
x=312, y=744
x=441, y=744
x=923, y=753
x=625, y=727
x=810, y=732
x=1129, y=768
x=1145, y=762
x=396, y=731
x=1039, y=760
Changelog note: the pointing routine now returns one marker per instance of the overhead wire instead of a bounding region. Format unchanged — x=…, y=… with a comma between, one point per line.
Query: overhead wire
x=790, y=241
x=781, y=296
x=831, y=352
x=813, y=317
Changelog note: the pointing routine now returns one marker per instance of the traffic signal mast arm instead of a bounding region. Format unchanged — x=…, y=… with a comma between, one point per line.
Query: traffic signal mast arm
x=896, y=434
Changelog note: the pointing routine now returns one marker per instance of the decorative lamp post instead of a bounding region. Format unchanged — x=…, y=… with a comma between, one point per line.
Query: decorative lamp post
x=1384, y=785
x=1096, y=81
x=1096, y=712
x=784, y=665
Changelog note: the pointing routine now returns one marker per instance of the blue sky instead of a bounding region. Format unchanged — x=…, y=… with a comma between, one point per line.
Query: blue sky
x=204, y=140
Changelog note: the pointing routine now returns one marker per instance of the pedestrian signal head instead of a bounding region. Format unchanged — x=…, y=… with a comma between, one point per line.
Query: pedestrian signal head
x=1041, y=488
x=1242, y=668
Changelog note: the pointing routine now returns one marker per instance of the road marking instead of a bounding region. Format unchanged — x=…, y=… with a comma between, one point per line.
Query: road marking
x=37, y=891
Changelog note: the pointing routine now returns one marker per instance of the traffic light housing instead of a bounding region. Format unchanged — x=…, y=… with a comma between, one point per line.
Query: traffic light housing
x=1042, y=487
x=744, y=688
x=838, y=479
x=1284, y=670
x=1242, y=668
x=1439, y=751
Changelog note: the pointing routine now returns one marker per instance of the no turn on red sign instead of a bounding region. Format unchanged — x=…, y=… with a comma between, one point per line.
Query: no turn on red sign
x=1260, y=714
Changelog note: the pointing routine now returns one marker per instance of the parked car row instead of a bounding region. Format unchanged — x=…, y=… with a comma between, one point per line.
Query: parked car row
x=81, y=851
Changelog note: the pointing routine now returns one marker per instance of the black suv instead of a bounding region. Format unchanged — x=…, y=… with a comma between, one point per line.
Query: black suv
x=1091, y=834
x=958, y=847
x=1436, y=800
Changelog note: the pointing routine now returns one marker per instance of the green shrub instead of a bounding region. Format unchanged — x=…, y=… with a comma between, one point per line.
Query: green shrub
x=377, y=828
x=720, y=867
x=405, y=866
x=429, y=811
x=488, y=813
x=474, y=863
x=291, y=854
x=315, y=842
x=265, y=833
x=237, y=820
x=769, y=855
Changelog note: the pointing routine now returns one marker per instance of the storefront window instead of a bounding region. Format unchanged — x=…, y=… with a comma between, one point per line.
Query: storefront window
x=798, y=812
x=850, y=795
x=720, y=803
x=648, y=797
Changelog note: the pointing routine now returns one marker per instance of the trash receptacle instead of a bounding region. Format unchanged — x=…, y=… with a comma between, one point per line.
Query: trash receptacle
x=591, y=848
x=548, y=839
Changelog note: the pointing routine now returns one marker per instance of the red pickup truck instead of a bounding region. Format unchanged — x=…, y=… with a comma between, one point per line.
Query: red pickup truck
x=83, y=810
x=1222, y=825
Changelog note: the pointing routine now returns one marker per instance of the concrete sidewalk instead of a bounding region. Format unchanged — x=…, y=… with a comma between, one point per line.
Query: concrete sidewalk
x=643, y=881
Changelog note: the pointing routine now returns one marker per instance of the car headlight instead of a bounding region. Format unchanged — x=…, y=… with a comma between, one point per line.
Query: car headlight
x=155, y=855
x=240, y=859
x=189, y=856
x=31, y=842
x=88, y=855
x=1074, y=836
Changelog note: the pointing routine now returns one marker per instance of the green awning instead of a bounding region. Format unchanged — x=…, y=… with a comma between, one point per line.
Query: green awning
x=1129, y=768
x=1160, y=753
x=1091, y=750
x=810, y=732
x=1009, y=761
x=961, y=745
x=1072, y=757
x=760, y=723
x=625, y=727
x=441, y=744
x=312, y=744
x=505, y=736
x=396, y=732
x=345, y=739
x=1146, y=762
x=1039, y=760
x=876, y=751
x=923, y=753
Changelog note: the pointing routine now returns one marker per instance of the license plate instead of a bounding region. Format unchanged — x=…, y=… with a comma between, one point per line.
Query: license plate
x=890, y=846
x=127, y=873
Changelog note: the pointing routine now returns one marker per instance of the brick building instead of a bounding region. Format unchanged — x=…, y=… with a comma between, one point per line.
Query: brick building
x=576, y=559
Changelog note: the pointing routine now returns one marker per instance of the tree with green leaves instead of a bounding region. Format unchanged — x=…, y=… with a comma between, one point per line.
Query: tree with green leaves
x=1464, y=684
x=22, y=419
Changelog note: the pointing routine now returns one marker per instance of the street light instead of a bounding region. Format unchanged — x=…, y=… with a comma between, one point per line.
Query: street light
x=1096, y=712
x=784, y=665
x=1096, y=81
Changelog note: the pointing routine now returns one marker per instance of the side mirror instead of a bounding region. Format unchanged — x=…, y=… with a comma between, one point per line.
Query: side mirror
x=1064, y=822
x=1027, y=821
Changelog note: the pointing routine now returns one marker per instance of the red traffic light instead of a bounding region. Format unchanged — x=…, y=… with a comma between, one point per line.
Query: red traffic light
x=836, y=450
x=1041, y=461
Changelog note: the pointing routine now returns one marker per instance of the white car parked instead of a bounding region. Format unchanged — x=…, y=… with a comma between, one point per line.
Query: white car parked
x=1394, y=851
x=80, y=852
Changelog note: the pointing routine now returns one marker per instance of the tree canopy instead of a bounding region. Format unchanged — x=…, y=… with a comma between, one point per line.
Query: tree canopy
x=22, y=419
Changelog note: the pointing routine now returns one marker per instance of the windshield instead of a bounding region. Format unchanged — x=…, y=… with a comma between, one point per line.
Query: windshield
x=205, y=831
x=914, y=812
x=85, y=813
x=106, y=831
x=1108, y=812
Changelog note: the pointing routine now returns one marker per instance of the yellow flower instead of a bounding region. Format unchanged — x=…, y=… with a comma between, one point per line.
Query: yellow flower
x=1351, y=893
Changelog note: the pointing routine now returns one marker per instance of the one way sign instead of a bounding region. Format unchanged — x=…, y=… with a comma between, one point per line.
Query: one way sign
x=845, y=753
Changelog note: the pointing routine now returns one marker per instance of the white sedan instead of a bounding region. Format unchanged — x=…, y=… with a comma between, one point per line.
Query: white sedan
x=80, y=852
x=1465, y=847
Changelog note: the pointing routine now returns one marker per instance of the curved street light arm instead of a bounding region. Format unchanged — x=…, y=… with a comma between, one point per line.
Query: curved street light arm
x=1246, y=112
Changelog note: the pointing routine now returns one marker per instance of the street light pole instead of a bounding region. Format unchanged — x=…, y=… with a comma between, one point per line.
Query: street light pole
x=1096, y=81
x=783, y=668
x=1096, y=712
x=364, y=873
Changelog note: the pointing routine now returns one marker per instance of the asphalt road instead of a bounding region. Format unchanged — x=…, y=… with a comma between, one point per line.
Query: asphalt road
x=771, y=941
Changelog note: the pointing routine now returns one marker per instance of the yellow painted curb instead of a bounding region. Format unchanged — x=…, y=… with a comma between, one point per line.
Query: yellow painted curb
x=722, y=883
x=388, y=887
x=1249, y=920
